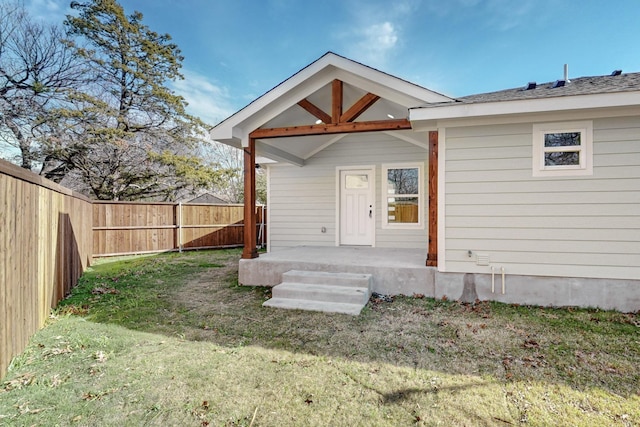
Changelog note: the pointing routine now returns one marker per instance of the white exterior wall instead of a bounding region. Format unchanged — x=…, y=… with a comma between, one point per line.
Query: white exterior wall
x=302, y=200
x=582, y=226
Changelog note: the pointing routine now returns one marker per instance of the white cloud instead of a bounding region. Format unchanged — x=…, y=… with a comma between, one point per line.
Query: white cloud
x=208, y=101
x=376, y=42
x=52, y=11
x=376, y=30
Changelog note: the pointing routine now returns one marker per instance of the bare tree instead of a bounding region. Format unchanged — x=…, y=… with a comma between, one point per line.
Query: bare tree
x=37, y=71
x=126, y=136
x=231, y=160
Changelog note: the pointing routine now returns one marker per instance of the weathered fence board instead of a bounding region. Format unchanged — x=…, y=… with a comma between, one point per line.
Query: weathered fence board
x=44, y=248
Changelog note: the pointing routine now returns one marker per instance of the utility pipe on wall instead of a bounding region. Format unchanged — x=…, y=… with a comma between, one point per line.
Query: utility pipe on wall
x=493, y=280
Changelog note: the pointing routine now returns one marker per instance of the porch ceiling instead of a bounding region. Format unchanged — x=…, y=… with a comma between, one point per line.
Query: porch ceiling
x=304, y=147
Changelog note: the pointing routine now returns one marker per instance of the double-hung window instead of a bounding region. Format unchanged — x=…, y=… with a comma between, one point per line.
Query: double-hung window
x=563, y=149
x=402, y=197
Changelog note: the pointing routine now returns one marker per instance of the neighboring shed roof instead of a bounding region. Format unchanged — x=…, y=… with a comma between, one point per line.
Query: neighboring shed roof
x=208, y=198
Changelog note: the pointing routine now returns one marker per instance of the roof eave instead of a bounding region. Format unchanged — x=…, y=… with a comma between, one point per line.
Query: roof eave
x=428, y=117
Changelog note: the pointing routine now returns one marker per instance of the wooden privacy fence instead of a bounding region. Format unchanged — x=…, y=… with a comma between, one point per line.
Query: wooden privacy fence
x=45, y=245
x=48, y=235
x=121, y=228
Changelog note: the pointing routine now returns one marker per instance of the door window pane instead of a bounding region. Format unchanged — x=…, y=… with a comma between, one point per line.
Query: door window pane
x=356, y=182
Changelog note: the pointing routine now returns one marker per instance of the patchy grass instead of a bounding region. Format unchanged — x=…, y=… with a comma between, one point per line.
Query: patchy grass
x=173, y=340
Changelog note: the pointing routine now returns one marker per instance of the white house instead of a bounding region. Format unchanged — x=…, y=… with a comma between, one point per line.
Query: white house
x=533, y=193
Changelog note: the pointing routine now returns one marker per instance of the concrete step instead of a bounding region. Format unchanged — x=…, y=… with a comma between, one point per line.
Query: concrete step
x=326, y=307
x=328, y=278
x=321, y=292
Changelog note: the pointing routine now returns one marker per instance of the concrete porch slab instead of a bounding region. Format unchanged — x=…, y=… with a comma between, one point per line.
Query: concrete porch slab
x=394, y=271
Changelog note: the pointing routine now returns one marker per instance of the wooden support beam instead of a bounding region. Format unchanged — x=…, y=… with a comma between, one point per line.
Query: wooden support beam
x=336, y=101
x=315, y=111
x=432, y=251
x=278, y=154
x=250, y=239
x=359, y=107
x=329, y=129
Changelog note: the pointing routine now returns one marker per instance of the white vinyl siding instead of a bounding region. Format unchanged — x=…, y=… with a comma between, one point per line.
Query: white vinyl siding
x=302, y=200
x=571, y=226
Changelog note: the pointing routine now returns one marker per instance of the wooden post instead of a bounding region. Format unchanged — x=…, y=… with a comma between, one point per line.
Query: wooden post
x=250, y=201
x=179, y=221
x=432, y=251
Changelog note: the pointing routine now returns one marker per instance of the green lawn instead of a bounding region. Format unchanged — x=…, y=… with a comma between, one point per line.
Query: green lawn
x=172, y=340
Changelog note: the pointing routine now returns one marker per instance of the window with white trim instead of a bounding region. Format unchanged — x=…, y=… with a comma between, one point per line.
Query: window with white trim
x=563, y=149
x=402, y=198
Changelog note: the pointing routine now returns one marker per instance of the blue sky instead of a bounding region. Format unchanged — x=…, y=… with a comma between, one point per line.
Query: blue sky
x=235, y=50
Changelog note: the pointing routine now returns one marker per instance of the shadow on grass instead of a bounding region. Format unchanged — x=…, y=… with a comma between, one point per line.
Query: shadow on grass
x=195, y=296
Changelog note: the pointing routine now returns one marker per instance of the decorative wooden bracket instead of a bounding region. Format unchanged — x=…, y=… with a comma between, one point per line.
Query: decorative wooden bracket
x=337, y=121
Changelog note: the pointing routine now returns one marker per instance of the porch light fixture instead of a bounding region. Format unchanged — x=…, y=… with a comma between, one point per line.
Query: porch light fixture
x=391, y=116
x=319, y=122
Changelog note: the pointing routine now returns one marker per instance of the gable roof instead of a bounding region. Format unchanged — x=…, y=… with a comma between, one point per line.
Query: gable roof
x=208, y=198
x=576, y=94
x=312, y=80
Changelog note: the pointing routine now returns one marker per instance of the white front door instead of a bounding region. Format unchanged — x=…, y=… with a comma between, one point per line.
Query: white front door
x=357, y=219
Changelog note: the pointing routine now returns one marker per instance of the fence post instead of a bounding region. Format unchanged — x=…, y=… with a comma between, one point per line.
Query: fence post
x=262, y=226
x=179, y=221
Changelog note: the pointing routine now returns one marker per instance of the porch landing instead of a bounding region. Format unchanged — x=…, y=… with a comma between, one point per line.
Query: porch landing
x=394, y=271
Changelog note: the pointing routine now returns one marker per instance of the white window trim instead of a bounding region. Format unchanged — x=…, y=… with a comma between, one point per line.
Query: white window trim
x=385, y=224
x=585, y=152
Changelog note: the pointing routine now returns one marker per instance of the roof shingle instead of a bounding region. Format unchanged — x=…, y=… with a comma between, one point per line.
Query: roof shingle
x=579, y=86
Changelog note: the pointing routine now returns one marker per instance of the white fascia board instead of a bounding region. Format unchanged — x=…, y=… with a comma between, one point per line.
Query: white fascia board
x=386, y=86
x=427, y=116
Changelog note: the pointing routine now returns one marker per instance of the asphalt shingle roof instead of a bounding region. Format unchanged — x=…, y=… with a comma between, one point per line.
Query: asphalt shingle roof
x=578, y=86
